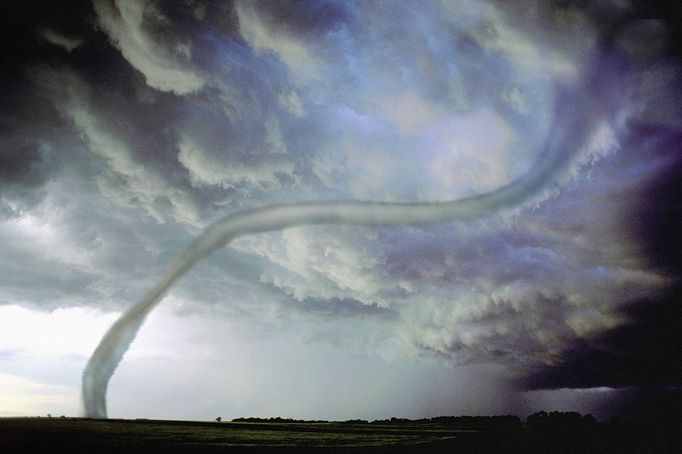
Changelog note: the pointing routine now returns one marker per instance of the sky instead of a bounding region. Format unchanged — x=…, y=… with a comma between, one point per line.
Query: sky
x=128, y=127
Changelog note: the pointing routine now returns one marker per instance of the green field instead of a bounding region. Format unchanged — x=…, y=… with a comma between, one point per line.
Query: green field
x=86, y=435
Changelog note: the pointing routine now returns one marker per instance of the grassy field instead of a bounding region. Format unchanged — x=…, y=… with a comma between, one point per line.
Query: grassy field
x=85, y=435
x=74, y=435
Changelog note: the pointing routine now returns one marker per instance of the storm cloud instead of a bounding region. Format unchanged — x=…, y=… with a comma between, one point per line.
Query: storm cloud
x=128, y=127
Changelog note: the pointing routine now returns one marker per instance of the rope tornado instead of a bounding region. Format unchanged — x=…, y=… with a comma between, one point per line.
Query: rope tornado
x=579, y=107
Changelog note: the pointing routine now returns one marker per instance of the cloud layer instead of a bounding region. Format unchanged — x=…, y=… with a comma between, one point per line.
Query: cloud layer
x=131, y=125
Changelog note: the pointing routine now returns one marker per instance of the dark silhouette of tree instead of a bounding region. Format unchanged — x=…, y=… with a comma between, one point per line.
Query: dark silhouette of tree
x=219, y=419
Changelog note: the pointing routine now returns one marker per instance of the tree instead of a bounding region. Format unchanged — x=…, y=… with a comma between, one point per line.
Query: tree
x=219, y=419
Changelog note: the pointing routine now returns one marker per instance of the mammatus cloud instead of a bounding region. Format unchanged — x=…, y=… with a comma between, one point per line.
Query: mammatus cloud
x=576, y=105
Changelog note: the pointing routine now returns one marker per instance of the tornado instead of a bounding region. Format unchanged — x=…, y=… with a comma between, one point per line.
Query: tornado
x=580, y=106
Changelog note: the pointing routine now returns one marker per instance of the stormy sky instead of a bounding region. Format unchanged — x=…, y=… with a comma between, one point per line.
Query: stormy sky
x=127, y=127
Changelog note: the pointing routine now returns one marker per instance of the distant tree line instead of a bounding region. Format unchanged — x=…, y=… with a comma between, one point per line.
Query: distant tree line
x=537, y=421
x=507, y=421
x=570, y=420
x=279, y=420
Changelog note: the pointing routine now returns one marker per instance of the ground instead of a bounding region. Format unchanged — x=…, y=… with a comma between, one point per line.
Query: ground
x=439, y=435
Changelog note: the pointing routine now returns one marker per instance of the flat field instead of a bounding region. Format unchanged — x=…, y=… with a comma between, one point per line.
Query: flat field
x=459, y=435
x=107, y=436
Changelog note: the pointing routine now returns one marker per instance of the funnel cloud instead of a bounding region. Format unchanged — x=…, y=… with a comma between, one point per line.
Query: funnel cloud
x=573, y=102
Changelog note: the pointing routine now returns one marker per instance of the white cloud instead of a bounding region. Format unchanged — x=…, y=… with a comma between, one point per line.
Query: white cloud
x=313, y=262
x=515, y=99
x=126, y=172
x=125, y=178
x=46, y=238
x=410, y=112
x=292, y=102
x=533, y=52
x=295, y=53
x=165, y=65
x=206, y=169
x=475, y=153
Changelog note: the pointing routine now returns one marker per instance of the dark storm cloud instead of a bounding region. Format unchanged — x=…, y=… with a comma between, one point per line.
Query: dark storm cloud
x=33, y=142
x=127, y=126
x=641, y=355
x=20, y=162
x=657, y=220
x=84, y=121
x=523, y=290
x=23, y=22
x=644, y=350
